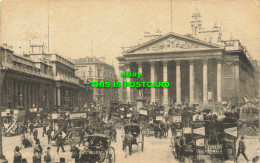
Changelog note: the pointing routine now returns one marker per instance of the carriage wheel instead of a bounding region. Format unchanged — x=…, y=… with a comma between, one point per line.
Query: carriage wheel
x=73, y=137
x=110, y=155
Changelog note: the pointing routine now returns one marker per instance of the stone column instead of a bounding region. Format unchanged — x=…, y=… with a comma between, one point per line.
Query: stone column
x=205, y=81
x=121, y=90
x=58, y=96
x=219, y=84
x=55, y=95
x=178, y=82
x=16, y=95
x=235, y=101
x=165, y=79
x=152, y=80
x=140, y=67
x=140, y=70
x=128, y=89
x=191, y=62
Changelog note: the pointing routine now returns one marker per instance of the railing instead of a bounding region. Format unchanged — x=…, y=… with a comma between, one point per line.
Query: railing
x=62, y=60
x=232, y=45
x=32, y=72
x=70, y=80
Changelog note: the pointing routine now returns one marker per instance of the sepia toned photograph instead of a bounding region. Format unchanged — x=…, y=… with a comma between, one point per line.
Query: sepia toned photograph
x=129, y=81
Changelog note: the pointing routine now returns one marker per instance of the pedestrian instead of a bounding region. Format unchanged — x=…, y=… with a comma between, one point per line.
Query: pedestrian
x=17, y=155
x=81, y=136
x=49, y=131
x=35, y=134
x=37, y=151
x=60, y=143
x=47, y=156
x=43, y=130
x=242, y=148
x=75, y=153
x=31, y=128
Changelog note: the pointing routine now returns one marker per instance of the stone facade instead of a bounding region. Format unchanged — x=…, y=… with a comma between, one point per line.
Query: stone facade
x=96, y=70
x=200, y=71
x=39, y=80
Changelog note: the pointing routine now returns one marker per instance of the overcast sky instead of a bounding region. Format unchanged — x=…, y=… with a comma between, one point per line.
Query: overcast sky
x=115, y=23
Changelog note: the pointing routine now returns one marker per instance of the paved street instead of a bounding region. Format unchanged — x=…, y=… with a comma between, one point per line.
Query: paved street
x=155, y=150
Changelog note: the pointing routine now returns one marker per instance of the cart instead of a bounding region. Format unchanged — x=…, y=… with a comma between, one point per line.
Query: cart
x=132, y=135
x=70, y=124
x=97, y=149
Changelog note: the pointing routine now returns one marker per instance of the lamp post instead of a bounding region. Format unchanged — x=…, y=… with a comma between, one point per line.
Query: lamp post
x=89, y=95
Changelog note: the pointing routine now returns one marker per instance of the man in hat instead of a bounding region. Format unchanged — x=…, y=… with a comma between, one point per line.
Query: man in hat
x=242, y=148
x=81, y=136
x=47, y=156
x=60, y=143
x=49, y=131
x=17, y=155
x=75, y=153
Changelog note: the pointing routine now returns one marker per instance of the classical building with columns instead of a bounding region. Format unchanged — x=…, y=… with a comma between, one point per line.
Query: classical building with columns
x=38, y=79
x=201, y=71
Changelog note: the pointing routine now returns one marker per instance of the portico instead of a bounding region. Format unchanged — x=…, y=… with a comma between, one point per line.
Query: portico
x=193, y=68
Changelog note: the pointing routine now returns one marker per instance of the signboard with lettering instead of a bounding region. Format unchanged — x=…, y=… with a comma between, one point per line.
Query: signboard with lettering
x=178, y=133
x=200, y=142
x=16, y=111
x=129, y=115
x=3, y=113
x=232, y=131
x=197, y=117
x=214, y=149
x=200, y=153
x=78, y=115
x=122, y=109
x=33, y=110
x=187, y=130
x=176, y=119
x=159, y=118
x=199, y=131
x=55, y=115
x=143, y=112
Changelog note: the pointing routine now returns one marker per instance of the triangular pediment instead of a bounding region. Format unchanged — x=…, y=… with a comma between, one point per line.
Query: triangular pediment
x=172, y=42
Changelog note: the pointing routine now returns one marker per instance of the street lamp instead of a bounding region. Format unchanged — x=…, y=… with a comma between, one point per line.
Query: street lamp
x=88, y=91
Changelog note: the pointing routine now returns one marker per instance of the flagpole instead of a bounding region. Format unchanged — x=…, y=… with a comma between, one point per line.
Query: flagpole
x=171, y=15
x=48, y=28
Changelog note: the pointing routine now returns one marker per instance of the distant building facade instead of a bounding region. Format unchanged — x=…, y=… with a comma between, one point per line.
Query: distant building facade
x=201, y=67
x=96, y=70
x=39, y=80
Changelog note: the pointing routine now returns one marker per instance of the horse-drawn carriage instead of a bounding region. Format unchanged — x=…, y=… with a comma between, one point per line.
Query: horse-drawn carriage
x=13, y=121
x=70, y=124
x=201, y=136
x=97, y=149
x=132, y=135
x=153, y=121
